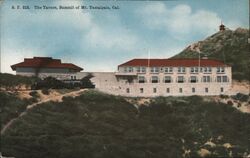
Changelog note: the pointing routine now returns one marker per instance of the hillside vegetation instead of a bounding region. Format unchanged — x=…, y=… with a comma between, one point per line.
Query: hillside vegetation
x=96, y=125
x=9, y=81
x=229, y=46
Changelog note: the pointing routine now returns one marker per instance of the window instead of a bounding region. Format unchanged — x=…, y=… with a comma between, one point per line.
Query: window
x=180, y=90
x=206, y=90
x=194, y=69
x=130, y=69
x=193, y=90
x=127, y=90
x=154, y=90
x=154, y=79
x=224, y=79
x=167, y=79
x=221, y=89
x=141, y=69
x=193, y=79
x=181, y=70
x=141, y=79
x=218, y=79
x=168, y=90
x=168, y=69
x=138, y=69
x=206, y=79
x=207, y=69
x=141, y=90
x=220, y=70
x=73, y=77
x=180, y=79
x=154, y=70
x=201, y=69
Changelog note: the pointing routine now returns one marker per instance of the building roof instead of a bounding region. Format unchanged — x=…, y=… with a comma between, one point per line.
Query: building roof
x=173, y=62
x=45, y=62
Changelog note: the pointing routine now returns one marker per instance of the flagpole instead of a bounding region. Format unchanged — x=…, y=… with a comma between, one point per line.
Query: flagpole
x=148, y=58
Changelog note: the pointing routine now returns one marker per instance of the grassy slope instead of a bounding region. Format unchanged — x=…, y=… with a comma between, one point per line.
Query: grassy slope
x=96, y=125
x=11, y=81
x=229, y=46
x=11, y=106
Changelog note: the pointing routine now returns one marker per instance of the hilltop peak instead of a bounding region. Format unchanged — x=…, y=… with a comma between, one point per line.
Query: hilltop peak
x=230, y=46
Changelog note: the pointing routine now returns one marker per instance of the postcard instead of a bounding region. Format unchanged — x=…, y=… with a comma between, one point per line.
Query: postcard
x=124, y=78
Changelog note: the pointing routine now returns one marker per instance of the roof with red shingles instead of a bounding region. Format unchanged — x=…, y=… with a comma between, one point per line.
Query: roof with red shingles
x=173, y=62
x=45, y=62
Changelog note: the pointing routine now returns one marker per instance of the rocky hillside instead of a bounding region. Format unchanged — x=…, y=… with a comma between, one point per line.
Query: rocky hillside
x=229, y=46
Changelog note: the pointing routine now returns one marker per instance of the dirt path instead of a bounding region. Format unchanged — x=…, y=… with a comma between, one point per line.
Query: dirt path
x=51, y=98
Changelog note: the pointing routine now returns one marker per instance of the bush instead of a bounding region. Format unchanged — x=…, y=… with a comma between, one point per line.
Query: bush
x=241, y=97
x=34, y=94
x=99, y=125
x=11, y=81
x=229, y=102
x=53, y=83
x=45, y=91
x=86, y=83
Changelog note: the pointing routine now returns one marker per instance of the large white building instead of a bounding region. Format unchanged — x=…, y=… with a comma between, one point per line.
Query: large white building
x=142, y=77
x=177, y=77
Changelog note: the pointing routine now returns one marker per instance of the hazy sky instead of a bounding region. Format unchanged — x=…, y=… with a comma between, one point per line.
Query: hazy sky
x=99, y=40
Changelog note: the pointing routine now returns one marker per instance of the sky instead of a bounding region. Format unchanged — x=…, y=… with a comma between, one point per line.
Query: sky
x=99, y=40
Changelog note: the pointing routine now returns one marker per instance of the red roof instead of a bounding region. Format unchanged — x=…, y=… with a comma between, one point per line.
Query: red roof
x=45, y=62
x=173, y=62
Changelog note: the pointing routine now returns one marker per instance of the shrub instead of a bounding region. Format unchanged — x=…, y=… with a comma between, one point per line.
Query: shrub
x=45, y=91
x=241, y=97
x=86, y=83
x=34, y=94
x=229, y=102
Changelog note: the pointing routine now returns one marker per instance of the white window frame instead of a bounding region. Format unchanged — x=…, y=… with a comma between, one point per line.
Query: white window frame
x=154, y=80
x=154, y=69
x=181, y=70
x=168, y=69
x=206, y=79
x=178, y=79
x=164, y=80
x=196, y=79
x=140, y=77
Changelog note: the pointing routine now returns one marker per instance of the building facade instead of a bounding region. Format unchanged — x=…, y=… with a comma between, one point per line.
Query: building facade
x=173, y=77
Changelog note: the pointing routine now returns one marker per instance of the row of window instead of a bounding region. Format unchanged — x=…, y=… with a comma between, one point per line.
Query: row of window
x=182, y=79
x=170, y=69
x=193, y=90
